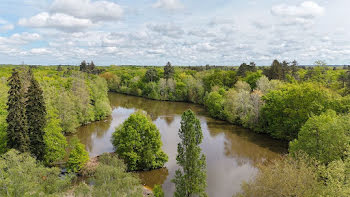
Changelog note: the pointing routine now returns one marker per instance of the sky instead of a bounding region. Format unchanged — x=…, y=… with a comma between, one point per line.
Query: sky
x=184, y=32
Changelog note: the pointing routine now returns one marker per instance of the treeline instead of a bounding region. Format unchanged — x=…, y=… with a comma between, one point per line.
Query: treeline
x=276, y=100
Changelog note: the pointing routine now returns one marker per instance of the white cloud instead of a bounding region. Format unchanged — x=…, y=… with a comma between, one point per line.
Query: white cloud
x=59, y=21
x=7, y=27
x=93, y=10
x=168, y=29
x=307, y=9
x=39, y=51
x=168, y=4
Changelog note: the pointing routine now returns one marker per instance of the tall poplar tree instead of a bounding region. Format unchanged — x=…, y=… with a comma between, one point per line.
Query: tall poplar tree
x=36, y=117
x=17, y=130
x=190, y=179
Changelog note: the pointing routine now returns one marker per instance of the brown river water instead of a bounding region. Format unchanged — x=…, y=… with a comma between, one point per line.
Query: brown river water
x=232, y=152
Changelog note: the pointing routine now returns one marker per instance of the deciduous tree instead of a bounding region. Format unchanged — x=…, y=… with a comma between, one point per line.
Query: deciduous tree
x=137, y=141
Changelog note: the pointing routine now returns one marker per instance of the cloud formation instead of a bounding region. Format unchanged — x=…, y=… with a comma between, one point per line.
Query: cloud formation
x=229, y=33
x=58, y=21
x=307, y=9
x=168, y=4
x=87, y=9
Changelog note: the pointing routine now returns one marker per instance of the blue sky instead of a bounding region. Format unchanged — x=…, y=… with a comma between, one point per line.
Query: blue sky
x=192, y=32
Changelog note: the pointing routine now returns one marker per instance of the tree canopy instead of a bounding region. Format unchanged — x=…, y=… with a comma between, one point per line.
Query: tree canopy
x=137, y=141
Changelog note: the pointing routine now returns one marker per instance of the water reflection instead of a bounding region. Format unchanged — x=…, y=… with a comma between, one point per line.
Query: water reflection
x=232, y=152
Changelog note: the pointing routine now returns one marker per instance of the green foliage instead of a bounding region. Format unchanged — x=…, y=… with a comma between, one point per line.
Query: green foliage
x=219, y=78
x=325, y=137
x=137, y=141
x=288, y=108
x=151, y=75
x=252, y=78
x=300, y=175
x=22, y=176
x=78, y=156
x=190, y=179
x=158, y=191
x=336, y=177
x=110, y=179
x=113, y=81
x=55, y=142
x=275, y=71
x=244, y=68
x=3, y=115
x=214, y=104
x=99, y=98
x=285, y=177
x=17, y=129
x=36, y=117
x=242, y=106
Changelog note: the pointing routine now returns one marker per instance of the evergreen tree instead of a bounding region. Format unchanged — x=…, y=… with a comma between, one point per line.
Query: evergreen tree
x=252, y=67
x=275, y=71
x=36, y=118
x=243, y=68
x=83, y=66
x=285, y=69
x=91, y=67
x=294, y=69
x=190, y=179
x=168, y=71
x=17, y=130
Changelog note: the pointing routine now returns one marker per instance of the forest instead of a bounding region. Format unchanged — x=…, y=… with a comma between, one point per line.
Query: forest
x=306, y=107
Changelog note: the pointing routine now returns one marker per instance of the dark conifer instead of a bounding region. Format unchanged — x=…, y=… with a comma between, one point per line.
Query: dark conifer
x=17, y=130
x=168, y=71
x=36, y=117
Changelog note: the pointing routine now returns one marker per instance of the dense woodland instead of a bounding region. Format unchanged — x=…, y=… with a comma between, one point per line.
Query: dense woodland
x=307, y=107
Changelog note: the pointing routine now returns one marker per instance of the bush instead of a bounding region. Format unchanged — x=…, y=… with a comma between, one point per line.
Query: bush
x=137, y=141
x=110, y=179
x=22, y=176
x=78, y=156
x=158, y=191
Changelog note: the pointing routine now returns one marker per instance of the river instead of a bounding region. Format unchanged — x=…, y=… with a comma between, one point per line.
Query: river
x=232, y=153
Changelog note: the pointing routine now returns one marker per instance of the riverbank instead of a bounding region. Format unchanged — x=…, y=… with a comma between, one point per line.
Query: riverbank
x=231, y=151
x=203, y=106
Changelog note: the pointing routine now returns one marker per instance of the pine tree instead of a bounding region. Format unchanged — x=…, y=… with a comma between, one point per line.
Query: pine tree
x=17, y=130
x=190, y=179
x=168, y=71
x=36, y=118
